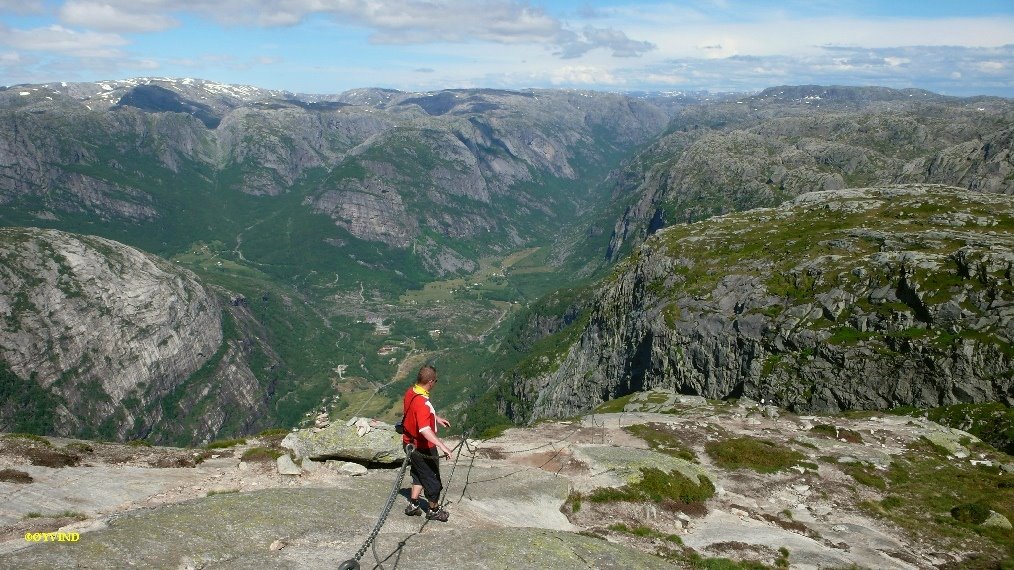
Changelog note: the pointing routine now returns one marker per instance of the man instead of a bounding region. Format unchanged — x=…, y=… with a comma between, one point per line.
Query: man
x=421, y=421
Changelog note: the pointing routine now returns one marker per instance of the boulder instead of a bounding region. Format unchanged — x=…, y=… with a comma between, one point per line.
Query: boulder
x=381, y=444
x=346, y=467
x=997, y=520
x=287, y=467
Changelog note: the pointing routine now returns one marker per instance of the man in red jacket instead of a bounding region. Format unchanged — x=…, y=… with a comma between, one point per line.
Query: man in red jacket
x=420, y=424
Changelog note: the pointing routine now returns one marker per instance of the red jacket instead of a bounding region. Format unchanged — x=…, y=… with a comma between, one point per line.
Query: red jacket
x=419, y=417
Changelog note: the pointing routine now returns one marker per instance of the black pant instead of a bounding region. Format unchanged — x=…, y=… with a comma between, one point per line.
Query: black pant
x=426, y=472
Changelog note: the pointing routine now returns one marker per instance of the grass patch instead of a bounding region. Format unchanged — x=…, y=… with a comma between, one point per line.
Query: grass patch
x=662, y=439
x=573, y=502
x=79, y=447
x=748, y=453
x=991, y=422
x=139, y=443
x=939, y=500
x=212, y=493
x=697, y=562
x=261, y=454
x=15, y=476
x=865, y=475
x=61, y=515
x=834, y=432
x=614, y=406
x=657, y=486
x=224, y=443
x=644, y=532
x=30, y=437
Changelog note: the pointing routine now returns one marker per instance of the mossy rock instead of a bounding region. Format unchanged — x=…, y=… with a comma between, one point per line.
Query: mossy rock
x=626, y=463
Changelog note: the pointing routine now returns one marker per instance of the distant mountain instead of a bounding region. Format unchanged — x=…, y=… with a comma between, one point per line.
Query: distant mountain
x=443, y=176
x=760, y=150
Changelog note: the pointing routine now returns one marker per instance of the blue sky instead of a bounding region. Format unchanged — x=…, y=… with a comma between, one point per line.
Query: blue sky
x=328, y=46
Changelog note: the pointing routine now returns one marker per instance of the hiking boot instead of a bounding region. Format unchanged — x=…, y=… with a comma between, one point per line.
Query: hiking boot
x=438, y=515
x=413, y=510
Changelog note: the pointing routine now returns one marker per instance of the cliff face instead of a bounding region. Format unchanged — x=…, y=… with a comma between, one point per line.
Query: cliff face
x=846, y=299
x=110, y=332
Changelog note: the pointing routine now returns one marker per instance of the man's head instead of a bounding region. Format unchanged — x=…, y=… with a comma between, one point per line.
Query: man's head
x=427, y=376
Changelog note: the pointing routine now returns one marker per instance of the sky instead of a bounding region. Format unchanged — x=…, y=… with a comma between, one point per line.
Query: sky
x=954, y=47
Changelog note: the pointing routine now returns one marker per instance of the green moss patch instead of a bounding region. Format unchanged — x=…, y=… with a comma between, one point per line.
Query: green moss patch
x=224, y=443
x=991, y=422
x=613, y=406
x=657, y=486
x=645, y=532
x=662, y=439
x=748, y=453
x=261, y=454
x=831, y=431
x=865, y=475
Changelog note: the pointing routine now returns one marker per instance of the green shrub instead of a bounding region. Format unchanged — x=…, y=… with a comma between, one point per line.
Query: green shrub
x=573, y=501
x=139, y=443
x=748, y=453
x=972, y=513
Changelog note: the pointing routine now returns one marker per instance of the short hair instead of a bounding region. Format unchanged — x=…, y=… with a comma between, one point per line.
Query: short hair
x=426, y=373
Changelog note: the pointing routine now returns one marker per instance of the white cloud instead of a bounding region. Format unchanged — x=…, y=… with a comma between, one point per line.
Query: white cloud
x=582, y=75
x=665, y=79
x=992, y=66
x=22, y=6
x=391, y=21
x=114, y=17
x=63, y=40
x=574, y=45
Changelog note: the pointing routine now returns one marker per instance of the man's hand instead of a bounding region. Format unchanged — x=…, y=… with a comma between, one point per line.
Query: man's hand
x=447, y=452
x=443, y=422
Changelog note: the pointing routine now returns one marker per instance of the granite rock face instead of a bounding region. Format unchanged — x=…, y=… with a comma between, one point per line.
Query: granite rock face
x=848, y=299
x=109, y=331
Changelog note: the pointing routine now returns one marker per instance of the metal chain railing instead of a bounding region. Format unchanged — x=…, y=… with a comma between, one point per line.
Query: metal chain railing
x=353, y=564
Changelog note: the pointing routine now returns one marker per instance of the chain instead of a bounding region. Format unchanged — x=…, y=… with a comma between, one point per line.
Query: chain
x=387, y=507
